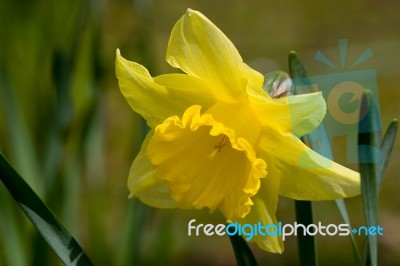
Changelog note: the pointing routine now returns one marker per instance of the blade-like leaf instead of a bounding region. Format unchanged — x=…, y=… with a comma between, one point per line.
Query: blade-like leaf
x=369, y=165
x=58, y=238
x=386, y=148
x=340, y=204
x=133, y=233
x=12, y=239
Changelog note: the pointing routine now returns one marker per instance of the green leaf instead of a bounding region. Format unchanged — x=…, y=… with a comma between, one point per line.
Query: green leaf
x=318, y=139
x=341, y=205
x=58, y=238
x=133, y=233
x=243, y=254
x=13, y=245
x=369, y=159
x=386, y=148
x=296, y=67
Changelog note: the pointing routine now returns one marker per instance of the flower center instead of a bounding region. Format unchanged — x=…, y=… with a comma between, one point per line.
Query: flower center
x=205, y=164
x=221, y=143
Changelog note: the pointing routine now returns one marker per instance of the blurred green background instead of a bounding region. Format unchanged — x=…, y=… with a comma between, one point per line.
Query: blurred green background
x=68, y=131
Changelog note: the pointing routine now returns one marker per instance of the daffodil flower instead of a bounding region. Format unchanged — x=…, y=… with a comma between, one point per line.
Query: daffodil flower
x=218, y=140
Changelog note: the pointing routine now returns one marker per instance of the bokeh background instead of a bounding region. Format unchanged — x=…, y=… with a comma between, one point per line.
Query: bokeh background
x=68, y=131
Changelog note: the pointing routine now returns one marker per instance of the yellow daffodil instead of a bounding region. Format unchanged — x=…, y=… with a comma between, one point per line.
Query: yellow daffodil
x=218, y=140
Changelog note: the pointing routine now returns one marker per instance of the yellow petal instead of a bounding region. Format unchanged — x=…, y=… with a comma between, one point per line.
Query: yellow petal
x=306, y=175
x=144, y=184
x=306, y=112
x=158, y=98
x=205, y=164
x=263, y=210
x=202, y=50
x=239, y=117
x=299, y=114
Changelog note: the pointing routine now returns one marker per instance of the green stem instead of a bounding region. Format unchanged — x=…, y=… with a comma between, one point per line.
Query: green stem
x=307, y=246
x=243, y=254
x=306, y=243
